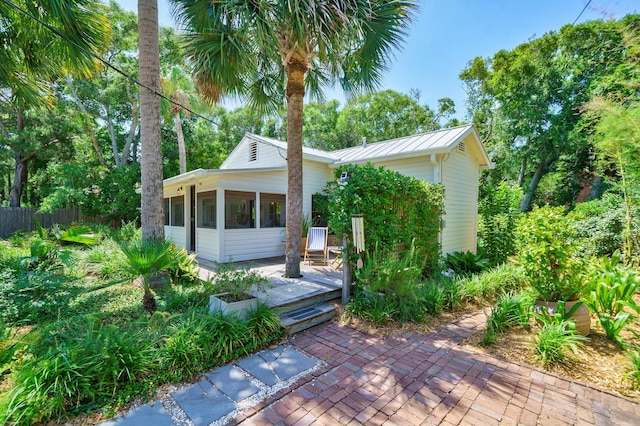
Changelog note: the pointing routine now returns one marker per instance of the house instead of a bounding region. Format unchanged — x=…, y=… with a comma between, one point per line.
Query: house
x=238, y=211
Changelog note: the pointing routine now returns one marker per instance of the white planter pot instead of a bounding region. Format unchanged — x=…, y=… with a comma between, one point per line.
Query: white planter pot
x=240, y=309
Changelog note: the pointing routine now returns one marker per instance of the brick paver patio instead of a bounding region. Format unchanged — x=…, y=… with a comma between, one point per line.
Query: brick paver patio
x=429, y=379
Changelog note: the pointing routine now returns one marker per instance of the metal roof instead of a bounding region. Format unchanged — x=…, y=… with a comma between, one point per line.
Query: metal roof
x=311, y=153
x=427, y=143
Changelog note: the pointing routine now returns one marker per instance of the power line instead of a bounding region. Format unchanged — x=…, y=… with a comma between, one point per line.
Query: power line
x=104, y=61
x=583, y=9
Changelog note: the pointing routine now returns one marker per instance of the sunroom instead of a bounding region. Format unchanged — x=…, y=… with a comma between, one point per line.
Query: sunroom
x=227, y=215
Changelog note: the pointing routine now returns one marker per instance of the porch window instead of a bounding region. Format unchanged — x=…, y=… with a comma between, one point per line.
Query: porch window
x=207, y=209
x=239, y=209
x=166, y=211
x=272, y=210
x=177, y=211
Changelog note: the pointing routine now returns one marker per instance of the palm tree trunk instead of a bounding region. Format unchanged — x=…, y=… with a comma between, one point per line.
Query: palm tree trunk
x=182, y=152
x=152, y=215
x=296, y=70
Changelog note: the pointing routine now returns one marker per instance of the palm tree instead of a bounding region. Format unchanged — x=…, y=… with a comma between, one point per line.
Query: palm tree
x=33, y=57
x=151, y=212
x=264, y=48
x=145, y=259
x=178, y=87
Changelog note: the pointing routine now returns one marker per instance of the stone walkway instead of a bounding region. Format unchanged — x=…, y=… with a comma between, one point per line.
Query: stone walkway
x=333, y=374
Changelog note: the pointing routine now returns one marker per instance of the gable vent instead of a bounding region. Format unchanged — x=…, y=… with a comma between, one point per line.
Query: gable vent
x=461, y=147
x=253, y=151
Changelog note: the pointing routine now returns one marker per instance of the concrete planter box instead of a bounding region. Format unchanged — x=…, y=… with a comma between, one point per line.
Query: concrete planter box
x=240, y=309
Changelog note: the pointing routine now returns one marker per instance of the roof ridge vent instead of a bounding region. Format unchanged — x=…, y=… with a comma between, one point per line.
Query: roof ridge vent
x=364, y=141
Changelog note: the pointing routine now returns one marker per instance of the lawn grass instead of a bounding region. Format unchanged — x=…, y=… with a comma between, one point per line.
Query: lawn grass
x=74, y=339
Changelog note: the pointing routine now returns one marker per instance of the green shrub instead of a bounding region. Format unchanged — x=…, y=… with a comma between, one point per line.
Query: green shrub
x=432, y=297
x=547, y=255
x=600, y=225
x=394, y=280
x=466, y=262
x=263, y=325
x=489, y=284
x=555, y=342
x=104, y=260
x=185, y=267
x=510, y=309
x=612, y=290
x=633, y=373
x=397, y=210
x=72, y=374
x=498, y=212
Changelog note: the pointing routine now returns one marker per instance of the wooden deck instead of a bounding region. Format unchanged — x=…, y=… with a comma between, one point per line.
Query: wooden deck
x=318, y=283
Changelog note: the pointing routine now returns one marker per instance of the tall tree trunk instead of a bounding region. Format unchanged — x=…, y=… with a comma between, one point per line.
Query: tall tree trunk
x=543, y=167
x=152, y=215
x=296, y=70
x=20, y=177
x=182, y=152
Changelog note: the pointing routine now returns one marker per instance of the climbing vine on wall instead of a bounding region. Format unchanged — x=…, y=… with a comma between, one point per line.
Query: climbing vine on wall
x=397, y=210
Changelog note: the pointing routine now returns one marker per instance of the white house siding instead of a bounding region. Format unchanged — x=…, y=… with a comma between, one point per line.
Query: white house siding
x=248, y=244
x=460, y=180
x=267, y=156
x=207, y=245
x=315, y=177
x=275, y=182
x=417, y=167
x=176, y=234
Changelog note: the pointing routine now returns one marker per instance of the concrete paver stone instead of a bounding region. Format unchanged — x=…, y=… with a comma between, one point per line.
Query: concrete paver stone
x=146, y=414
x=203, y=402
x=232, y=382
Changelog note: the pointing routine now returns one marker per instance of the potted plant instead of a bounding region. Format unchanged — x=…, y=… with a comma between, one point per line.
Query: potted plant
x=233, y=290
x=550, y=261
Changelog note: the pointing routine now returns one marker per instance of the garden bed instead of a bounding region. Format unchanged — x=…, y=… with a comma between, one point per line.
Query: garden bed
x=602, y=363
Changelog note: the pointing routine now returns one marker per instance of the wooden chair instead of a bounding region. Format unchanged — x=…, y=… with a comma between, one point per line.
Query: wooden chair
x=317, y=249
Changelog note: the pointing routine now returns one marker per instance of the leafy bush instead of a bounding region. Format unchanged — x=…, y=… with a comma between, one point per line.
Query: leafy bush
x=466, y=262
x=185, y=266
x=555, y=342
x=547, y=255
x=431, y=295
x=397, y=210
x=498, y=213
x=510, y=309
x=393, y=280
x=612, y=290
x=634, y=367
x=489, y=284
x=599, y=225
x=76, y=373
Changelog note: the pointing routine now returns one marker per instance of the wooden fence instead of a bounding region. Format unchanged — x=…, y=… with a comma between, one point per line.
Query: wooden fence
x=13, y=219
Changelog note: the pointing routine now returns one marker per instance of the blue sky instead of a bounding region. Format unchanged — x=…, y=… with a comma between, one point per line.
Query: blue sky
x=447, y=34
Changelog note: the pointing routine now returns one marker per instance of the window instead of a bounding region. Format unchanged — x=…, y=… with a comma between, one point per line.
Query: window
x=166, y=211
x=239, y=209
x=207, y=209
x=253, y=151
x=177, y=211
x=272, y=211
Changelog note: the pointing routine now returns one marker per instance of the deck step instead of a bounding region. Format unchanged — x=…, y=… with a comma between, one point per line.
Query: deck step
x=306, y=301
x=307, y=317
